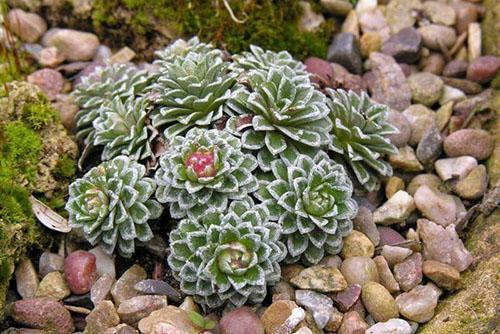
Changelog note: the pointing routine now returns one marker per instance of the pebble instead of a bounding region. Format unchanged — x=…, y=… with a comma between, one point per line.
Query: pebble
x=158, y=287
x=426, y=88
x=405, y=160
x=53, y=286
x=394, y=255
x=365, y=6
x=359, y=270
x=483, y=69
x=445, y=276
x=346, y=80
x=433, y=63
x=26, y=278
x=466, y=13
x=451, y=168
x=353, y=323
x=433, y=35
x=337, y=7
x=439, y=13
x=379, y=302
x=124, y=329
x=105, y=263
x=418, y=304
x=404, y=46
x=345, y=51
x=363, y=222
x=473, y=142
x=456, y=69
x=188, y=304
x=386, y=277
x=122, y=56
x=318, y=304
x=373, y=21
x=389, y=236
x=310, y=21
x=466, y=86
x=451, y=94
x=242, y=320
x=101, y=289
x=347, y=298
x=123, y=289
x=277, y=314
x=443, y=115
x=474, y=185
x=390, y=85
x=321, y=70
x=430, y=180
x=102, y=317
x=391, y=326
x=67, y=109
x=395, y=210
x=134, y=309
x=172, y=315
x=50, y=262
x=42, y=313
x=408, y=273
x=420, y=118
x=435, y=205
x=370, y=42
x=335, y=321
x=29, y=27
x=320, y=278
x=50, y=57
x=443, y=245
x=72, y=44
x=400, y=121
x=357, y=244
x=80, y=271
x=351, y=24
x=400, y=14
x=48, y=80
x=331, y=261
x=430, y=147
x=473, y=41
x=289, y=271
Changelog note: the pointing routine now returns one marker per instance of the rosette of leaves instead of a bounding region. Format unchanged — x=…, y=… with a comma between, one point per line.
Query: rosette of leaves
x=311, y=200
x=100, y=88
x=112, y=204
x=275, y=112
x=359, y=135
x=181, y=48
x=191, y=91
x=227, y=258
x=122, y=128
x=204, y=170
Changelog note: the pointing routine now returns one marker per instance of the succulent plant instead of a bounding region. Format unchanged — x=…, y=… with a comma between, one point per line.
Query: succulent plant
x=277, y=111
x=122, y=129
x=227, y=258
x=112, y=204
x=203, y=170
x=191, y=91
x=100, y=88
x=359, y=135
x=181, y=48
x=311, y=200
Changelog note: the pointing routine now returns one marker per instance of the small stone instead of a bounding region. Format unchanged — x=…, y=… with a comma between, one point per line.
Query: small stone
x=386, y=277
x=172, y=315
x=242, y=320
x=430, y=147
x=389, y=236
x=409, y=272
x=445, y=276
x=42, y=313
x=320, y=278
x=455, y=69
x=321, y=71
x=29, y=27
x=123, y=289
x=105, y=263
x=433, y=63
x=165, y=328
x=443, y=114
x=394, y=254
x=335, y=321
x=373, y=21
x=426, y=88
x=50, y=262
x=49, y=81
x=102, y=317
x=319, y=305
x=473, y=41
x=353, y=323
x=474, y=185
x=483, y=69
x=430, y=180
x=433, y=35
x=400, y=121
x=277, y=314
x=337, y=7
x=363, y=222
x=345, y=51
x=351, y=24
x=439, y=13
x=391, y=326
x=346, y=80
x=134, y=309
x=443, y=245
x=347, y=298
x=50, y=57
x=420, y=118
x=393, y=185
x=404, y=46
x=53, y=286
x=379, y=302
x=72, y=44
x=451, y=94
x=359, y=270
x=67, y=111
x=26, y=278
x=80, y=271
x=466, y=13
x=158, y=287
x=101, y=289
x=395, y=210
x=188, y=305
x=474, y=142
x=363, y=6
x=405, y=160
x=124, y=329
x=452, y=168
x=466, y=86
x=331, y=261
x=400, y=14
x=357, y=244
x=370, y=42
x=102, y=54
x=436, y=206
x=289, y=271
x=418, y=304
x=122, y=56
x=310, y=21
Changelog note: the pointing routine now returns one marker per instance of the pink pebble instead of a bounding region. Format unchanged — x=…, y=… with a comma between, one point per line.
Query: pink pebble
x=80, y=271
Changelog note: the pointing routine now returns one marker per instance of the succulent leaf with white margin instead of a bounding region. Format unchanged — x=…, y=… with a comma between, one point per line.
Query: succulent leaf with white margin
x=180, y=48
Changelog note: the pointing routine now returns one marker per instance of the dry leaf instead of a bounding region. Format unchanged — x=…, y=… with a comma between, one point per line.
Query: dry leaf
x=48, y=217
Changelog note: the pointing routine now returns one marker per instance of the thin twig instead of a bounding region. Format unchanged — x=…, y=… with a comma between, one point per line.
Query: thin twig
x=234, y=18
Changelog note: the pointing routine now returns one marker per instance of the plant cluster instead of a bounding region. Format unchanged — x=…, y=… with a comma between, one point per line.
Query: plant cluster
x=256, y=165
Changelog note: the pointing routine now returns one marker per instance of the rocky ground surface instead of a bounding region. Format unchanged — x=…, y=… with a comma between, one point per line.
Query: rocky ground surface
x=418, y=259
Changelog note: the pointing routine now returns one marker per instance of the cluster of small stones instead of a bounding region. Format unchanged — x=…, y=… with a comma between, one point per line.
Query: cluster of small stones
x=423, y=59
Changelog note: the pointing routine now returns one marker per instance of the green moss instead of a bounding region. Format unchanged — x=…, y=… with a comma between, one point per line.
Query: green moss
x=66, y=167
x=38, y=115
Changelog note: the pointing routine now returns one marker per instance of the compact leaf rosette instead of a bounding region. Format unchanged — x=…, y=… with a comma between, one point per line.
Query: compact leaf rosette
x=229, y=257
x=112, y=204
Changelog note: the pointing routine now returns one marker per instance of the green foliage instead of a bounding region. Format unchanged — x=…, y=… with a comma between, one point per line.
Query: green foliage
x=39, y=114
x=65, y=168
x=112, y=205
x=200, y=321
x=227, y=257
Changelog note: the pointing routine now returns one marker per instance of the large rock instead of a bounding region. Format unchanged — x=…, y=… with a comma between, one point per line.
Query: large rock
x=73, y=45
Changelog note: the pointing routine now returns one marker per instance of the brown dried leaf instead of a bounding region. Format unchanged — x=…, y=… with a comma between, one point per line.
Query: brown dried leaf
x=48, y=217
